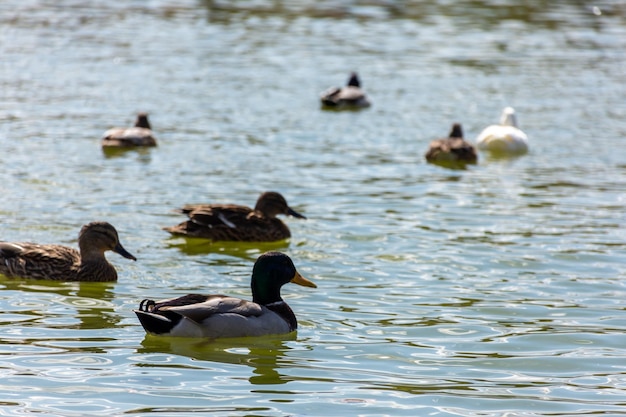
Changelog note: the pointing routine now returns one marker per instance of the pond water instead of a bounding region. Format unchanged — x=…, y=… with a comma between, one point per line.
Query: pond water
x=495, y=290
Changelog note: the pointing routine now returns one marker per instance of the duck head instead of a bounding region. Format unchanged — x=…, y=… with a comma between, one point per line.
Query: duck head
x=272, y=203
x=95, y=238
x=271, y=271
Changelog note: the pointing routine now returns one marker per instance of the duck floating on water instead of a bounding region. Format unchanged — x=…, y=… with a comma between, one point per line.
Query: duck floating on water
x=138, y=135
x=221, y=316
x=349, y=97
x=453, y=151
x=231, y=222
x=504, y=138
x=62, y=263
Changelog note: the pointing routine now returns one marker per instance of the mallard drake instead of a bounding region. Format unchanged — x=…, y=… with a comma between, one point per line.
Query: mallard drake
x=139, y=135
x=349, y=97
x=61, y=263
x=505, y=138
x=230, y=222
x=221, y=316
x=452, y=151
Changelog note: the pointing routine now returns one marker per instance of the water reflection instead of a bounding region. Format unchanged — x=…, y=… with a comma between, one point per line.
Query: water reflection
x=91, y=301
x=144, y=155
x=265, y=355
x=244, y=250
x=484, y=13
x=500, y=157
x=222, y=10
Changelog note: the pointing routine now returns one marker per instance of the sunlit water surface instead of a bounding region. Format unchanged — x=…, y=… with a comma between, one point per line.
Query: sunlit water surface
x=496, y=290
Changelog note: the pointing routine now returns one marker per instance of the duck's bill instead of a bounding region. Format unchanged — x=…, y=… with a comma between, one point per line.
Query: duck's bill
x=294, y=213
x=120, y=249
x=300, y=280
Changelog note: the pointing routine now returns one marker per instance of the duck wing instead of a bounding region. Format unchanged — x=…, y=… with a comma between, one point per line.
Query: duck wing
x=222, y=215
x=229, y=223
x=503, y=138
x=329, y=96
x=349, y=97
x=133, y=136
x=212, y=316
x=351, y=94
x=32, y=260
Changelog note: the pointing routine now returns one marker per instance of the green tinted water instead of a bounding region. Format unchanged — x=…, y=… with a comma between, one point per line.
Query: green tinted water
x=490, y=291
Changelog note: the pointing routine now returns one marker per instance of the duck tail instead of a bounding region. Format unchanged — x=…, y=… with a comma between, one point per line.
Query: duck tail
x=159, y=324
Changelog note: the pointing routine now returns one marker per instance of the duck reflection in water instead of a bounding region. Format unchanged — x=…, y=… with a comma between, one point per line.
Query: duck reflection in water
x=266, y=355
x=244, y=250
x=89, y=304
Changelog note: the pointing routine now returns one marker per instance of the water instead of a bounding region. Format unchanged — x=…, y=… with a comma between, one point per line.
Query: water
x=496, y=290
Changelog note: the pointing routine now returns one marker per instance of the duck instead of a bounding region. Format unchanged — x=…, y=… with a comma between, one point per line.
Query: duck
x=351, y=96
x=220, y=316
x=453, y=151
x=504, y=138
x=138, y=135
x=62, y=263
x=231, y=222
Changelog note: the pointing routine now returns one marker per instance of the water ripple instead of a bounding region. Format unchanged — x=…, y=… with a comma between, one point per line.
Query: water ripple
x=496, y=290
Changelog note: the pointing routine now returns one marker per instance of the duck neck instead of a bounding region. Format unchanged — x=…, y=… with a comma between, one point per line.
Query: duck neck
x=264, y=290
x=142, y=121
x=354, y=81
x=95, y=267
x=509, y=119
x=96, y=271
x=90, y=255
x=283, y=310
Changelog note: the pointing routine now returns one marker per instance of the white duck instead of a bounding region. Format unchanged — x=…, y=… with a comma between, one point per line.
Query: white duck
x=505, y=138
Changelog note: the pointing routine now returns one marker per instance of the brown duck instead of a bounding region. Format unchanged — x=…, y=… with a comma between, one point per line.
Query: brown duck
x=453, y=151
x=61, y=263
x=230, y=222
x=139, y=135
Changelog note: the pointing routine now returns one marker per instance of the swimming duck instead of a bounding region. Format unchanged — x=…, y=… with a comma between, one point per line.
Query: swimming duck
x=349, y=97
x=505, y=138
x=230, y=222
x=221, y=316
x=453, y=151
x=61, y=263
x=139, y=135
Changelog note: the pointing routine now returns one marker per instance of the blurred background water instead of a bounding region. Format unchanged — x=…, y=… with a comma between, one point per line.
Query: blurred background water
x=496, y=290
